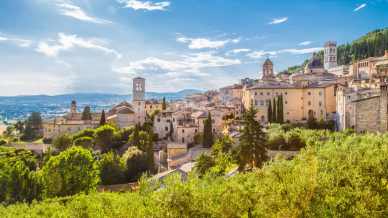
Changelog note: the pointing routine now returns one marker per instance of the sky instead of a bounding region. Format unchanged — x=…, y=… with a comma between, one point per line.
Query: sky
x=71, y=46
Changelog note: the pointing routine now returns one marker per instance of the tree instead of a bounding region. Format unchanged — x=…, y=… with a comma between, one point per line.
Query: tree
x=62, y=142
x=251, y=148
x=134, y=138
x=146, y=145
x=280, y=115
x=18, y=179
x=104, y=137
x=85, y=142
x=222, y=145
x=71, y=172
x=102, y=119
x=84, y=133
x=203, y=164
x=33, y=127
x=19, y=126
x=269, y=112
x=136, y=163
x=112, y=169
x=274, y=111
x=164, y=104
x=86, y=113
x=208, y=138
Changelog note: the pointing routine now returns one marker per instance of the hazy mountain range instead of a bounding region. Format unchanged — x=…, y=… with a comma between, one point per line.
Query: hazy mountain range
x=18, y=107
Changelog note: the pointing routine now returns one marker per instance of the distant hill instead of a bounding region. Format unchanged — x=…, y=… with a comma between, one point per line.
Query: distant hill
x=18, y=107
x=372, y=44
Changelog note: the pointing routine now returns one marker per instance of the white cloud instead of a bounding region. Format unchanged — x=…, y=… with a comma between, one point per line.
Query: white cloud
x=68, y=8
x=278, y=20
x=301, y=51
x=360, y=7
x=261, y=54
x=24, y=43
x=183, y=65
x=240, y=50
x=305, y=43
x=145, y=5
x=67, y=42
x=200, y=43
x=295, y=51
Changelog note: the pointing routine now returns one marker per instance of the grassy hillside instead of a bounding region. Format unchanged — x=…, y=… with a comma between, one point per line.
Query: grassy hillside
x=337, y=175
x=373, y=44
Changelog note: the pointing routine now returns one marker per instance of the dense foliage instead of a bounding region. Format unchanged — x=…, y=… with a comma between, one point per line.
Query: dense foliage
x=337, y=175
x=208, y=138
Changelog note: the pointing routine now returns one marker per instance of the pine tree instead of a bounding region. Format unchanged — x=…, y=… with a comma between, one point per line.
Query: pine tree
x=251, y=150
x=102, y=119
x=269, y=113
x=208, y=138
x=274, y=112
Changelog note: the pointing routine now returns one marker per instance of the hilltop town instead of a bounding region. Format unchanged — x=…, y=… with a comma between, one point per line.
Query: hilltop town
x=258, y=125
x=343, y=97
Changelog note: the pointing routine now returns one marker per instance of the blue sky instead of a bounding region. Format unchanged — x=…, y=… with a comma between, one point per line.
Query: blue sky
x=66, y=46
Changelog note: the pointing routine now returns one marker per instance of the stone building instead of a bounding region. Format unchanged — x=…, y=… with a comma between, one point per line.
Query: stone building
x=311, y=93
x=70, y=123
x=362, y=109
x=369, y=68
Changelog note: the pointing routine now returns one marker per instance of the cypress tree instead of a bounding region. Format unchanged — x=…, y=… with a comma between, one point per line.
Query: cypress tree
x=269, y=113
x=102, y=119
x=208, y=132
x=274, y=112
x=164, y=104
x=280, y=116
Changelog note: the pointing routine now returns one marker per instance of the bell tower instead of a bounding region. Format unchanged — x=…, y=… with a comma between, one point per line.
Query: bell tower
x=330, y=55
x=268, y=70
x=138, y=90
x=138, y=101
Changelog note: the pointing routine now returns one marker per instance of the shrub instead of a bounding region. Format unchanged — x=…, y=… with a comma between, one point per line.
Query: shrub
x=62, y=142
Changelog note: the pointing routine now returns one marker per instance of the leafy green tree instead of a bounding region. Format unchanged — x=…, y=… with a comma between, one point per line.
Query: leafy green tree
x=251, y=150
x=112, y=169
x=18, y=180
x=269, y=112
x=103, y=118
x=84, y=133
x=104, y=137
x=222, y=145
x=146, y=144
x=33, y=127
x=134, y=139
x=136, y=162
x=208, y=138
x=72, y=171
x=85, y=142
x=63, y=142
x=86, y=113
x=203, y=164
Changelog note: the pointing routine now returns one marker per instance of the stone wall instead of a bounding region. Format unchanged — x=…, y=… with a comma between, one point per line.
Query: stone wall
x=367, y=114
